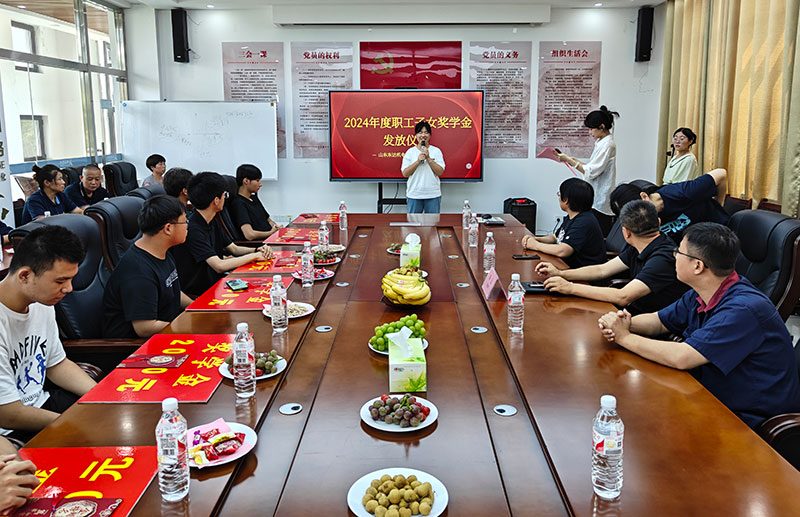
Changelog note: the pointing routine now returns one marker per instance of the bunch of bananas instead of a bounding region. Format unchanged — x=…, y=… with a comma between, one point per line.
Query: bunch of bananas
x=406, y=286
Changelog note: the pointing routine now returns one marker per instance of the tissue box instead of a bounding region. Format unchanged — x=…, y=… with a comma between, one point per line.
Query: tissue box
x=409, y=255
x=407, y=374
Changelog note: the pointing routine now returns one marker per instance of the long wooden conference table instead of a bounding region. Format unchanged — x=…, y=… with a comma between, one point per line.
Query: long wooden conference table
x=685, y=452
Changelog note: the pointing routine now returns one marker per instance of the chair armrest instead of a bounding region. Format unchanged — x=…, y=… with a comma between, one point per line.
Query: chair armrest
x=618, y=283
x=102, y=346
x=782, y=433
x=611, y=254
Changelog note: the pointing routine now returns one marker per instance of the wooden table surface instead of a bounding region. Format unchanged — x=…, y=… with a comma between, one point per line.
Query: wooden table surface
x=685, y=453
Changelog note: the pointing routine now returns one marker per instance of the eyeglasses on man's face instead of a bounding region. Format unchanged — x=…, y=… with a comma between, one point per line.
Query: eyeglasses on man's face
x=676, y=252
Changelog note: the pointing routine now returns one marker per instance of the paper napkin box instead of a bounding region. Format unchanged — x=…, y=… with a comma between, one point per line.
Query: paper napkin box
x=407, y=372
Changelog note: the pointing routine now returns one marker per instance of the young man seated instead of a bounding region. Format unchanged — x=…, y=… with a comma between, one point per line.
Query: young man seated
x=143, y=294
x=208, y=253
x=157, y=165
x=88, y=190
x=735, y=342
x=688, y=202
x=648, y=260
x=39, y=276
x=175, y=181
x=579, y=240
x=247, y=212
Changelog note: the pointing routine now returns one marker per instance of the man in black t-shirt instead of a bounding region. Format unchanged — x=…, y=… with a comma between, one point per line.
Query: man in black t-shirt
x=247, y=212
x=144, y=294
x=208, y=253
x=175, y=181
x=579, y=240
x=88, y=190
x=648, y=258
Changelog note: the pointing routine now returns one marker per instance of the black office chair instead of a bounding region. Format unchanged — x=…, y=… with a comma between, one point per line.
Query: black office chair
x=148, y=191
x=120, y=178
x=782, y=432
x=118, y=220
x=71, y=175
x=226, y=221
x=615, y=242
x=770, y=256
x=733, y=205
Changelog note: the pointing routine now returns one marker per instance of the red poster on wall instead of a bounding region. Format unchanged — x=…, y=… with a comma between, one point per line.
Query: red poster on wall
x=195, y=380
x=419, y=64
x=220, y=297
x=281, y=262
x=93, y=472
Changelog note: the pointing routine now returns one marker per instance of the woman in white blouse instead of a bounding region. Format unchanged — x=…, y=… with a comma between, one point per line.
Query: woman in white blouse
x=601, y=169
x=683, y=165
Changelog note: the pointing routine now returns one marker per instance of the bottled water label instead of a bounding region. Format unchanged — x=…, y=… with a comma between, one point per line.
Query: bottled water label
x=169, y=446
x=605, y=444
x=240, y=356
x=516, y=298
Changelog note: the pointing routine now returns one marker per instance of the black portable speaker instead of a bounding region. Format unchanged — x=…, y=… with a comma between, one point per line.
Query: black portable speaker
x=644, y=34
x=180, y=36
x=523, y=209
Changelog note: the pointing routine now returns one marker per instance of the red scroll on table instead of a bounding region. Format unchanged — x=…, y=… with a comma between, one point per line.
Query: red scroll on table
x=282, y=262
x=316, y=219
x=78, y=479
x=221, y=298
x=195, y=380
x=294, y=236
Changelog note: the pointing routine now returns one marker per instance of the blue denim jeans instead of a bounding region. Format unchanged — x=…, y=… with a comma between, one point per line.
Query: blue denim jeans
x=427, y=206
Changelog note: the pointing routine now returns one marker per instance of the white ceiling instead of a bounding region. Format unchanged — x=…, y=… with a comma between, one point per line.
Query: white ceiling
x=250, y=4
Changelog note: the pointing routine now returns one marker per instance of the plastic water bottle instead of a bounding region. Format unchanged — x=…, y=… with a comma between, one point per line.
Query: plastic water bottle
x=488, y=252
x=608, y=432
x=342, y=216
x=473, y=231
x=324, y=236
x=307, y=265
x=173, y=467
x=466, y=215
x=516, y=304
x=279, y=309
x=244, y=362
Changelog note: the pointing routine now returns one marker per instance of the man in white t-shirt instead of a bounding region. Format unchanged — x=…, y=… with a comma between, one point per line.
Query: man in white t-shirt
x=39, y=276
x=422, y=165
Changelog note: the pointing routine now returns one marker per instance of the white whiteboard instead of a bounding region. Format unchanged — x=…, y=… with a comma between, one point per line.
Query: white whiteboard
x=201, y=136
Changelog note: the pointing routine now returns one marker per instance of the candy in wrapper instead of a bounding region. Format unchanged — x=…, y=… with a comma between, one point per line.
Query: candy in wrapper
x=240, y=437
x=198, y=455
x=210, y=453
x=228, y=446
x=220, y=438
x=208, y=435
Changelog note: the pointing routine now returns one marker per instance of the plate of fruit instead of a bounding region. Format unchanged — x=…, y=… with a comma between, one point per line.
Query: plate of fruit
x=267, y=365
x=421, y=493
x=405, y=288
x=319, y=274
x=394, y=248
x=399, y=413
x=325, y=257
x=333, y=248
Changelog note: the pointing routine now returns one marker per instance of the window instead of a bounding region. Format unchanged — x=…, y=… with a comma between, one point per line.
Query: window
x=23, y=39
x=32, y=137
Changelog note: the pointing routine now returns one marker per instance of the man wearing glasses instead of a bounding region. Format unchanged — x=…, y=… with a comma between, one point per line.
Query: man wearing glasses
x=143, y=293
x=735, y=342
x=648, y=260
x=208, y=252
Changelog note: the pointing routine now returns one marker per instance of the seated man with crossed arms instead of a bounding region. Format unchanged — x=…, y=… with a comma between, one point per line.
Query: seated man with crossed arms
x=648, y=260
x=735, y=342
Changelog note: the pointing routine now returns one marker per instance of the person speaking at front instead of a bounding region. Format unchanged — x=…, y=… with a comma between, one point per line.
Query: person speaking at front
x=423, y=164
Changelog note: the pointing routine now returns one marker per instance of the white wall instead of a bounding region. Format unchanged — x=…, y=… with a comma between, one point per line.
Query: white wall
x=631, y=88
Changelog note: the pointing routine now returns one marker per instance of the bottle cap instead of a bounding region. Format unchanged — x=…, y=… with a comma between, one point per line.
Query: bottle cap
x=307, y=243
x=170, y=404
x=276, y=279
x=341, y=202
x=608, y=402
x=466, y=201
x=489, y=234
x=515, y=276
x=242, y=327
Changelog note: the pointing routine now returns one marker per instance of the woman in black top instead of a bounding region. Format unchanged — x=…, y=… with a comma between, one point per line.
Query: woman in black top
x=247, y=212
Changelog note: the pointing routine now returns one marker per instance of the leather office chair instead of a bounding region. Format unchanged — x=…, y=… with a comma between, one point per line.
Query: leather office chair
x=224, y=217
x=735, y=204
x=782, y=432
x=71, y=174
x=118, y=220
x=615, y=242
x=120, y=178
x=770, y=256
x=147, y=192
x=766, y=204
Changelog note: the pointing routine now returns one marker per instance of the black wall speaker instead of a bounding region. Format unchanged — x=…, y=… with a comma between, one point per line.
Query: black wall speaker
x=644, y=34
x=180, y=36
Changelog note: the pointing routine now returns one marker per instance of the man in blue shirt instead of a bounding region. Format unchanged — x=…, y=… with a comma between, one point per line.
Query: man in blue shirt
x=735, y=342
x=88, y=190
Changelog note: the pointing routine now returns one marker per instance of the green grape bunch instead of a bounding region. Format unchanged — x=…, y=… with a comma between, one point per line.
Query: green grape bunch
x=381, y=343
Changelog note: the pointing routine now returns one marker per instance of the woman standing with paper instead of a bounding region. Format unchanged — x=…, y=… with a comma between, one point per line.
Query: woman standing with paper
x=601, y=169
x=422, y=165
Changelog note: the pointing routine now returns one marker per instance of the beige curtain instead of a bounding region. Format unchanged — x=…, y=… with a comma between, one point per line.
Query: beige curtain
x=744, y=91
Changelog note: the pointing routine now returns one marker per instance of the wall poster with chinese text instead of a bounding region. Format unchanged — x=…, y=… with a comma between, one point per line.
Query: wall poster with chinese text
x=503, y=71
x=6, y=203
x=569, y=88
x=254, y=72
x=425, y=65
x=316, y=69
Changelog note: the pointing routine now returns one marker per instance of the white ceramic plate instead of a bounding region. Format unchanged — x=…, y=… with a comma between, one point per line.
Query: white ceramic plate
x=424, y=347
x=359, y=488
x=307, y=306
x=250, y=437
x=389, y=250
x=336, y=261
x=326, y=274
x=225, y=370
x=333, y=248
x=392, y=428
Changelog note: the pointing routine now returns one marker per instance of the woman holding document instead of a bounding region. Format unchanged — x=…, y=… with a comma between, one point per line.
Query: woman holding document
x=601, y=169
